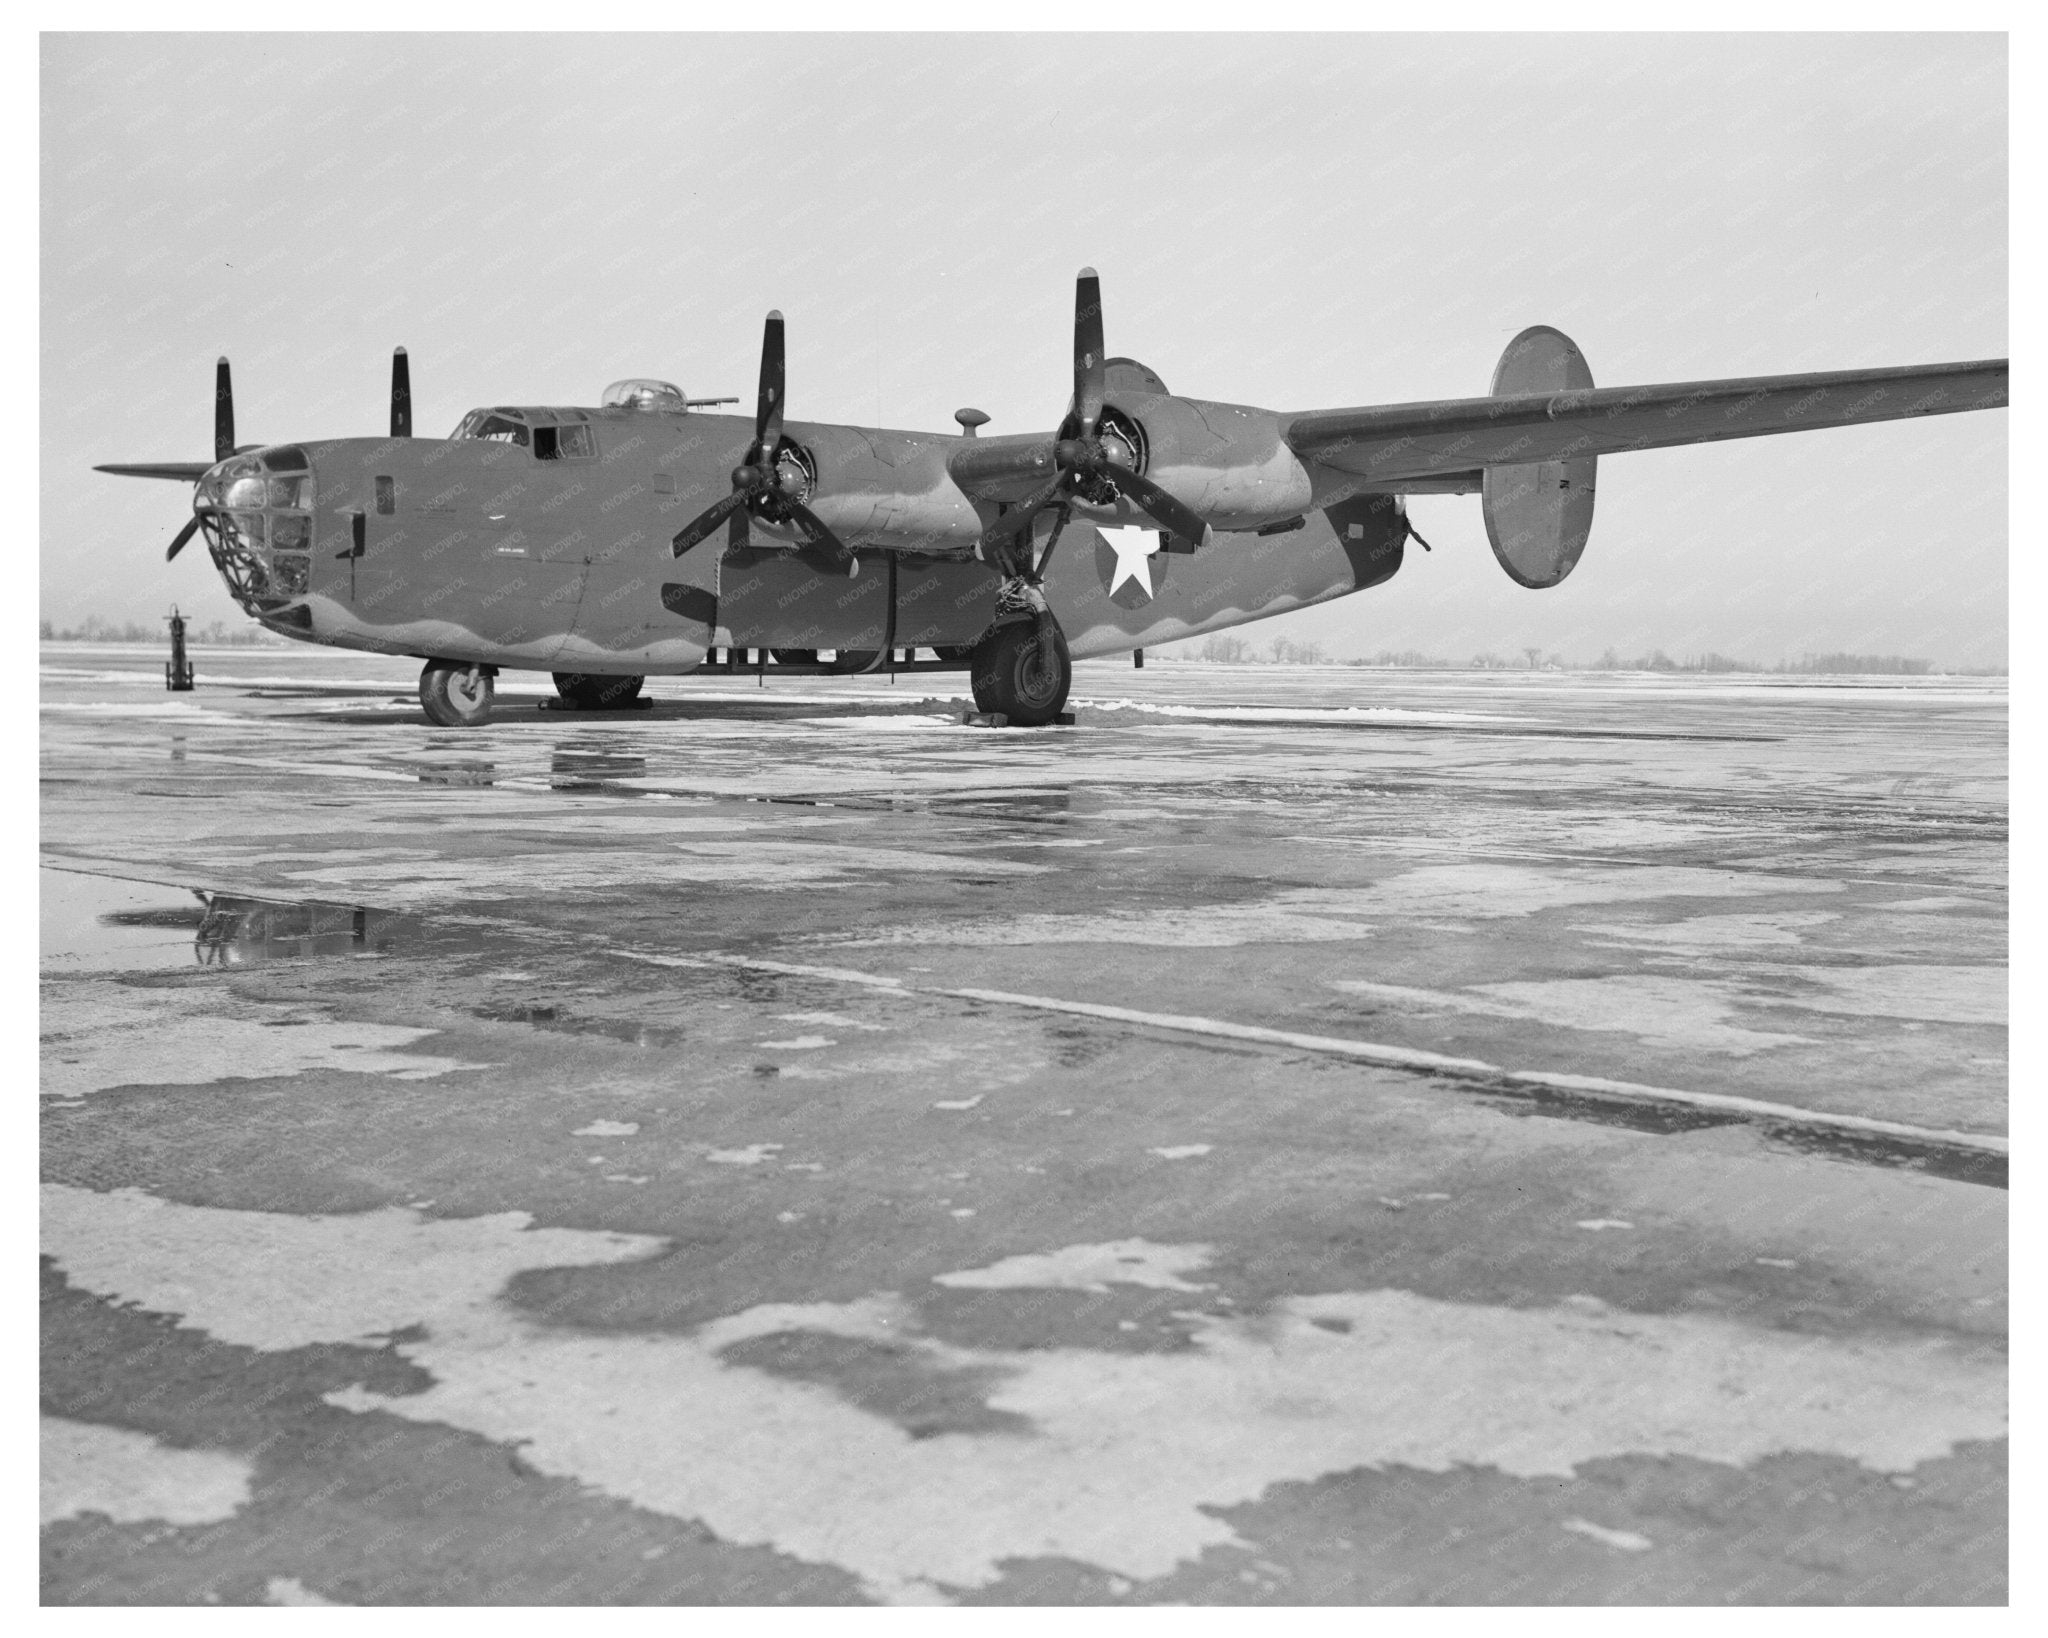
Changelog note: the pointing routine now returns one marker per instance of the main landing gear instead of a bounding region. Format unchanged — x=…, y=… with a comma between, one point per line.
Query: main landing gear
x=457, y=696
x=1021, y=668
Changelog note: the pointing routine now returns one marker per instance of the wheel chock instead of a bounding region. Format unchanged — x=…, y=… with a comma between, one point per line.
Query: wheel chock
x=639, y=703
x=996, y=719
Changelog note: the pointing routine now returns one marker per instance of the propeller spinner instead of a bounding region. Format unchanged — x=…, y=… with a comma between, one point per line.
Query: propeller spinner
x=762, y=485
x=1084, y=462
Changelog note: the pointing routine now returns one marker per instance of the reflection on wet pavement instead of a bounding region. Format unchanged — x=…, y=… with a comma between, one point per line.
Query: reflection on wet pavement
x=93, y=923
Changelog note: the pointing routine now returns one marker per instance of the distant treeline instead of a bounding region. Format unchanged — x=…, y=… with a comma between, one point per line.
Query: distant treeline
x=1225, y=648
x=214, y=634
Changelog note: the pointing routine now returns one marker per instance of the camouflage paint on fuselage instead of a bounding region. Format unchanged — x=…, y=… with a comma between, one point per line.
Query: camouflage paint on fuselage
x=493, y=552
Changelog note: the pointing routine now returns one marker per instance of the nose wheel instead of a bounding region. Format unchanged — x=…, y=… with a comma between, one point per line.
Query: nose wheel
x=457, y=696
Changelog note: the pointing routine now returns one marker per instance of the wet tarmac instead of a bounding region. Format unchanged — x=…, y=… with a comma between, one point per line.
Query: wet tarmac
x=1300, y=1135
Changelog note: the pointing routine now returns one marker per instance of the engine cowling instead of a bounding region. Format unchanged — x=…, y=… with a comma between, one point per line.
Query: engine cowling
x=1230, y=462
x=1539, y=516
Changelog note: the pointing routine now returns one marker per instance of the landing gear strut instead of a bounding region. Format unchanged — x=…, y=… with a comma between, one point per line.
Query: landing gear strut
x=1021, y=667
x=457, y=696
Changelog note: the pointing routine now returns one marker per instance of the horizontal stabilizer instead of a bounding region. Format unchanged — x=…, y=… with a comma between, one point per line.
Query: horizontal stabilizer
x=180, y=471
x=1393, y=442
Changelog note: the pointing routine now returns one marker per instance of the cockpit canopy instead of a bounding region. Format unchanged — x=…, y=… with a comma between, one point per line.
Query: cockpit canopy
x=552, y=434
x=641, y=392
x=506, y=424
x=496, y=426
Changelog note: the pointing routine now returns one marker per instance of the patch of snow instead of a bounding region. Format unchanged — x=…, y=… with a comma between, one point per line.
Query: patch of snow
x=290, y=1591
x=128, y=1476
x=1626, y=1541
x=1089, y=1268
x=1941, y=995
x=831, y=1020
x=97, y=1034
x=1130, y=1461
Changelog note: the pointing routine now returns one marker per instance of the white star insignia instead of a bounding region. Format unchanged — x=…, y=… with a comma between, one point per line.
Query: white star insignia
x=1133, y=547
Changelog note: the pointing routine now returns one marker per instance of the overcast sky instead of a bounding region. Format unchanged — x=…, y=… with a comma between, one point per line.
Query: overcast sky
x=1294, y=221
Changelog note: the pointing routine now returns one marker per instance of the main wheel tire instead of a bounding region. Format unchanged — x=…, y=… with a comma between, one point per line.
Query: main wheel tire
x=456, y=696
x=954, y=653
x=1023, y=676
x=793, y=656
x=854, y=659
x=594, y=692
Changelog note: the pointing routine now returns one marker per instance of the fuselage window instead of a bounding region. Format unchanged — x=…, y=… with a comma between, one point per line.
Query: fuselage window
x=565, y=443
x=387, y=496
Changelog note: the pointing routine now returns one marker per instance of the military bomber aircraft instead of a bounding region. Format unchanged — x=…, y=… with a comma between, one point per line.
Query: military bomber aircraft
x=643, y=536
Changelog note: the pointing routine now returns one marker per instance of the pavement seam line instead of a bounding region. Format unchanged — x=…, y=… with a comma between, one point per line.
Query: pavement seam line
x=1392, y=1057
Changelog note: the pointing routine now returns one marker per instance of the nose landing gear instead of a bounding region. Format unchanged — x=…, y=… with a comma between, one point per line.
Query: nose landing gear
x=457, y=696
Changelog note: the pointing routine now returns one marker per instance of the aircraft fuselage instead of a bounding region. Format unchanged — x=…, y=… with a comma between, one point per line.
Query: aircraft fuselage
x=545, y=543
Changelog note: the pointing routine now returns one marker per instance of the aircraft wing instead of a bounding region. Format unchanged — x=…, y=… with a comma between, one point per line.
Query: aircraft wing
x=1399, y=444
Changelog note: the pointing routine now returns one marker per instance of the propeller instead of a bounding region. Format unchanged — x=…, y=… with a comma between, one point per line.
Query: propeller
x=183, y=537
x=223, y=411
x=1083, y=461
x=760, y=486
x=223, y=446
x=224, y=440
x=401, y=395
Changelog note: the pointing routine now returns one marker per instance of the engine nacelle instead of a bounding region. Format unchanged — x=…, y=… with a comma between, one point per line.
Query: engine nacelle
x=1229, y=462
x=1538, y=516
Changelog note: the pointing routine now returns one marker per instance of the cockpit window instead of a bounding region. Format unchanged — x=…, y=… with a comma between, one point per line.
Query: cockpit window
x=493, y=428
x=285, y=458
x=498, y=430
x=565, y=443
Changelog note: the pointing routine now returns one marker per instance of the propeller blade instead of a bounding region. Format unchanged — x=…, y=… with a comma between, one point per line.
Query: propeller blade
x=737, y=535
x=401, y=395
x=702, y=527
x=820, y=535
x=1088, y=365
x=1161, y=506
x=223, y=412
x=183, y=537
x=180, y=471
x=768, y=414
x=1018, y=518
